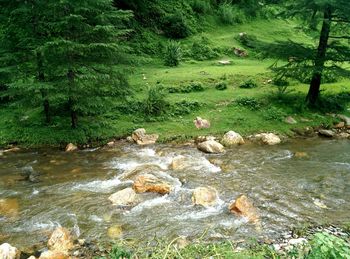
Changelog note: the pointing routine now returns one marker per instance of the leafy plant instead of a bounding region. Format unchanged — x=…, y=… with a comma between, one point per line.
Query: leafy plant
x=201, y=6
x=221, y=86
x=119, y=253
x=201, y=49
x=247, y=40
x=248, y=102
x=249, y=84
x=273, y=113
x=185, y=107
x=155, y=103
x=282, y=86
x=175, y=26
x=173, y=54
x=230, y=14
x=191, y=87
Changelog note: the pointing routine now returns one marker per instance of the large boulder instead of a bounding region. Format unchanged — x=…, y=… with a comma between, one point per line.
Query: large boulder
x=326, y=133
x=9, y=252
x=124, y=197
x=60, y=240
x=205, y=196
x=151, y=183
x=242, y=206
x=211, y=146
x=9, y=207
x=71, y=147
x=53, y=255
x=268, y=138
x=201, y=123
x=141, y=138
x=232, y=138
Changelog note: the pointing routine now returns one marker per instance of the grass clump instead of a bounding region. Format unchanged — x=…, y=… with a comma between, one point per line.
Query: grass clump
x=274, y=114
x=155, y=103
x=173, y=54
x=230, y=14
x=249, y=84
x=250, y=103
x=221, y=86
x=190, y=88
x=185, y=107
x=201, y=49
x=201, y=6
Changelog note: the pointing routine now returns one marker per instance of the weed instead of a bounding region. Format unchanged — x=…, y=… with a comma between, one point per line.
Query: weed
x=274, y=113
x=250, y=103
x=173, y=54
x=221, y=86
x=155, y=103
x=249, y=84
x=191, y=87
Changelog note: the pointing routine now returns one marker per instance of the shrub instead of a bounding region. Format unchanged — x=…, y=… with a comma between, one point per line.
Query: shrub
x=274, y=114
x=249, y=84
x=173, y=54
x=119, y=253
x=155, y=103
x=221, y=86
x=281, y=85
x=175, y=26
x=230, y=14
x=191, y=87
x=201, y=6
x=248, y=102
x=185, y=107
x=201, y=49
x=250, y=41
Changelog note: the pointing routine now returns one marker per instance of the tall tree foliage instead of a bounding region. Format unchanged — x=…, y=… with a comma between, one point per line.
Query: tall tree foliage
x=332, y=19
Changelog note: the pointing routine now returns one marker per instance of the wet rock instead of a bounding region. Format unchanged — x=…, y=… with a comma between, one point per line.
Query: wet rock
x=179, y=163
x=130, y=139
x=9, y=207
x=344, y=119
x=201, y=139
x=32, y=257
x=111, y=144
x=290, y=120
x=211, y=146
x=201, y=123
x=124, y=197
x=301, y=155
x=71, y=147
x=53, y=255
x=340, y=125
x=14, y=149
x=242, y=206
x=115, y=231
x=60, y=240
x=232, y=138
x=9, y=252
x=343, y=135
x=224, y=62
x=30, y=175
x=305, y=132
x=205, y=196
x=151, y=183
x=268, y=138
x=141, y=138
x=326, y=133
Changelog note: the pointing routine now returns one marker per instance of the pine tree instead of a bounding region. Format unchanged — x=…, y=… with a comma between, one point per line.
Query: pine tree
x=332, y=17
x=84, y=54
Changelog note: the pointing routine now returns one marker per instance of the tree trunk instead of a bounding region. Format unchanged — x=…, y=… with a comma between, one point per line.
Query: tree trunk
x=41, y=78
x=73, y=113
x=320, y=59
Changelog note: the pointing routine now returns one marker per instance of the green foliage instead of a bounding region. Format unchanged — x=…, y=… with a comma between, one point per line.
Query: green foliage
x=333, y=102
x=175, y=26
x=173, y=54
x=201, y=6
x=273, y=114
x=230, y=14
x=185, y=107
x=249, y=84
x=221, y=86
x=247, y=40
x=250, y=103
x=190, y=88
x=119, y=253
x=201, y=49
x=155, y=103
x=282, y=86
x=326, y=246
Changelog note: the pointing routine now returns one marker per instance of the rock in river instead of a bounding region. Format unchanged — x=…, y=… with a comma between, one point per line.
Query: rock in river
x=151, y=183
x=9, y=207
x=326, y=133
x=53, y=255
x=211, y=146
x=71, y=147
x=60, y=240
x=9, y=252
x=232, y=138
x=242, y=206
x=141, y=138
x=205, y=196
x=268, y=138
x=124, y=197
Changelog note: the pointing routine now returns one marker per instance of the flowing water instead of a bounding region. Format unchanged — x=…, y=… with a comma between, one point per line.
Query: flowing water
x=73, y=191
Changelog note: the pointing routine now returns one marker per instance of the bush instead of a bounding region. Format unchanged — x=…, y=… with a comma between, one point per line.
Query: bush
x=155, y=103
x=185, y=107
x=175, y=26
x=119, y=253
x=249, y=84
x=248, y=102
x=282, y=86
x=221, y=86
x=247, y=40
x=173, y=54
x=230, y=14
x=201, y=6
x=201, y=49
x=192, y=87
x=274, y=114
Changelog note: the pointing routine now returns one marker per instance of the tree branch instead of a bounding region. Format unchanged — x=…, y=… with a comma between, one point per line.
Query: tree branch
x=340, y=37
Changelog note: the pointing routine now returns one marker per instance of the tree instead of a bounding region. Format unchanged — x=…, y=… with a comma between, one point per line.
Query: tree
x=332, y=17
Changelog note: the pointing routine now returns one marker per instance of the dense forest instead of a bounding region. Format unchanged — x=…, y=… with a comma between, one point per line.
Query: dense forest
x=77, y=61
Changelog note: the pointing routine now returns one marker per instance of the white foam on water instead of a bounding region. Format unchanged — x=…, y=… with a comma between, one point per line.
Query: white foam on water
x=283, y=155
x=146, y=152
x=98, y=185
x=151, y=203
x=205, y=213
x=31, y=226
x=35, y=192
x=95, y=218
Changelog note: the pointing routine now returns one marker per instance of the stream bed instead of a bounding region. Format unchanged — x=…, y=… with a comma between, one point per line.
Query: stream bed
x=72, y=190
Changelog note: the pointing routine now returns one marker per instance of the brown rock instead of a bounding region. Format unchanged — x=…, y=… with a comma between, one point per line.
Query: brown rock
x=205, y=196
x=53, y=255
x=268, y=138
x=211, y=146
x=9, y=252
x=9, y=207
x=179, y=163
x=115, y=231
x=14, y=149
x=340, y=125
x=141, y=138
x=232, y=138
x=60, y=240
x=71, y=147
x=151, y=183
x=301, y=154
x=124, y=197
x=242, y=206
